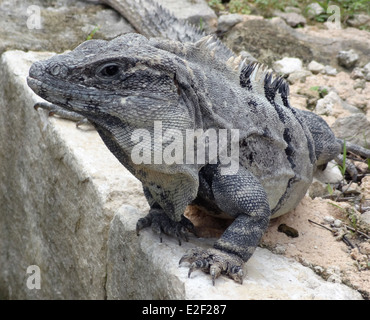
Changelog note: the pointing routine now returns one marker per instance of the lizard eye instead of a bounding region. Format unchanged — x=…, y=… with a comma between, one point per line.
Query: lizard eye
x=108, y=71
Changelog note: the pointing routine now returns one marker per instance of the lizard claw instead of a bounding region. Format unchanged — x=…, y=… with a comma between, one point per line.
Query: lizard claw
x=54, y=109
x=162, y=224
x=215, y=262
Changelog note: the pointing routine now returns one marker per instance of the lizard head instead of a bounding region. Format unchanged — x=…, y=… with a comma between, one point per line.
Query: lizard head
x=127, y=78
x=122, y=85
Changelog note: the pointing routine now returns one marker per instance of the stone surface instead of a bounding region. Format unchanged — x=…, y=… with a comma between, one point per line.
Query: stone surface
x=246, y=55
x=330, y=71
x=292, y=9
x=299, y=75
x=319, y=186
x=366, y=71
x=69, y=207
x=293, y=19
x=354, y=128
x=315, y=67
x=197, y=12
x=288, y=65
x=331, y=174
x=359, y=20
x=348, y=58
x=269, y=276
x=331, y=103
x=314, y=9
x=59, y=188
x=357, y=73
x=55, y=25
x=227, y=21
x=62, y=25
x=272, y=39
x=325, y=105
x=366, y=68
x=366, y=217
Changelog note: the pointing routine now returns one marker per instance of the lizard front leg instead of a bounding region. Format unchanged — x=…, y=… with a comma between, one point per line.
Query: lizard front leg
x=243, y=197
x=54, y=109
x=162, y=224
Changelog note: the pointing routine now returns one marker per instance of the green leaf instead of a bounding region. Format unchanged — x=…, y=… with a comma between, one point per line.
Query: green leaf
x=92, y=33
x=330, y=189
x=343, y=168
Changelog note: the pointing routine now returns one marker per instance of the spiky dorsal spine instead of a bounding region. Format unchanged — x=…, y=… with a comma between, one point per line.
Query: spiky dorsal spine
x=215, y=47
x=258, y=78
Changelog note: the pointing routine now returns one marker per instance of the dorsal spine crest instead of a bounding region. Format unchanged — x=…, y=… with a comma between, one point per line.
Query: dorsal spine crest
x=256, y=77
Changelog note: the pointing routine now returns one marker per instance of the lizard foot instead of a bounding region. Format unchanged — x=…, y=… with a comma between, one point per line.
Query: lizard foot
x=162, y=224
x=215, y=262
x=54, y=109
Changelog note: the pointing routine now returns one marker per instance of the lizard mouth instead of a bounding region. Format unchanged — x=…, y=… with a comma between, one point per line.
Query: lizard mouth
x=35, y=84
x=45, y=86
x=48, y=92
x=58, y=91
x=84, y=99
x=69, y=96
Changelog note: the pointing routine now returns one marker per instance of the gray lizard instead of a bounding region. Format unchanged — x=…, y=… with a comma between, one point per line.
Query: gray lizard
x=131, y=82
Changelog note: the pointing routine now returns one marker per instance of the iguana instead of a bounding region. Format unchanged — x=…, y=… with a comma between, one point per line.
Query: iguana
x=132, y=82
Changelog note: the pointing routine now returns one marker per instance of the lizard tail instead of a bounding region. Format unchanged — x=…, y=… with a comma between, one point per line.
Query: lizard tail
x=356, y=149
x=152, y=20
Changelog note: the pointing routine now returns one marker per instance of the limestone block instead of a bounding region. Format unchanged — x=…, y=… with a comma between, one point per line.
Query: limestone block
x=288, y=65
x=59, y=189
x=143, y=268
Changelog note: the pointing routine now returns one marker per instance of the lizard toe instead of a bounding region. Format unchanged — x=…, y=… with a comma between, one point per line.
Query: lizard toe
x=215, y=262
x=162, y=224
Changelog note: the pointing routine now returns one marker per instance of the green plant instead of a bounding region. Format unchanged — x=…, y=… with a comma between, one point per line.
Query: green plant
x=347, y=8
x=92, y=33
x=270, y=5
x=342, y=167
x=365, y=28
x=354, y=221
x=330, y=189
x=322, y=91
x=201, y=23
x=337, y=206
x=322, y=17
x=216, y=5
x=239, y=6
x=367, y=147
x=351, y=7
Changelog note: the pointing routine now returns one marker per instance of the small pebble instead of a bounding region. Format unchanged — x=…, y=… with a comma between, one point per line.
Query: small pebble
x=329, y=219
x=337, y=223
x=319, y=269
